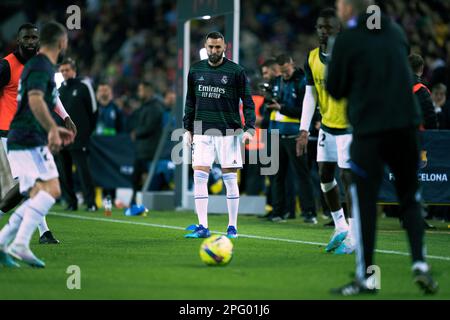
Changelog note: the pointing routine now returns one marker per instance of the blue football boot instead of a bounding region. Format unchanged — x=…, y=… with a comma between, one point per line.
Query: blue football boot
x=191, y=227
x=232, y=232
x=7, y=261
x=347, y=247
x=336, y=240
x=199, y=232
x=22, y=253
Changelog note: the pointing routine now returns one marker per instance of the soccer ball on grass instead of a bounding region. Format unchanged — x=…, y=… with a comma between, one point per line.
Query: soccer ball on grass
x=216, y=250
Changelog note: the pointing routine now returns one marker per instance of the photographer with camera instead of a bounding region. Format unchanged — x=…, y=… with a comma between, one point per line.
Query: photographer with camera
x=286, y=109
x=270, y=71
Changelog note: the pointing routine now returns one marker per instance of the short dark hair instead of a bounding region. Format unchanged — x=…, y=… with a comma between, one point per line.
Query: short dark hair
x=70, y=62
x=26, y=26
x=147, y=84
x=283, y=59
x=103, y=83
x=269, y=62
x=215, y=35
x=51, y=33
x=327, y=13
x=439, y=86
x=416, y=62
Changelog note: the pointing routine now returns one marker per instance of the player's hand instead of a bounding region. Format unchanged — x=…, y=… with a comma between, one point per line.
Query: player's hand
x=59, y=137
x=247, y=137
x=68, y=123
x=187, y=138
x=302, y=143
x=274, y=106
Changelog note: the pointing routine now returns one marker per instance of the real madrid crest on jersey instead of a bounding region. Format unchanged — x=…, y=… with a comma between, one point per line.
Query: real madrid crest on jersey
x=224, y=80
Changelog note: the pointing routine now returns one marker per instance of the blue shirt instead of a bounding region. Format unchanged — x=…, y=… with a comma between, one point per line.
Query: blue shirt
x=110, y=120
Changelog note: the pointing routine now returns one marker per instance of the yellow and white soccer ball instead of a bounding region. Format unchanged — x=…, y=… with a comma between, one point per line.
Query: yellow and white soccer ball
x=216, y=250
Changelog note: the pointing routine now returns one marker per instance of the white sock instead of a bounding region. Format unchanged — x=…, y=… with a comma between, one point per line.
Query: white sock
x=9, y=231
x=201, y=196
x=230, y=180
x=339, y=220
x=43, y=227
x=36, y=210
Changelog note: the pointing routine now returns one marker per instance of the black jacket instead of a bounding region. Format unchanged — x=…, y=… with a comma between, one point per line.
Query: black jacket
x=371, y=69
x=78, y=98
x=290, y=93
x=146, y=122
x=444, y=117
x=426, y=105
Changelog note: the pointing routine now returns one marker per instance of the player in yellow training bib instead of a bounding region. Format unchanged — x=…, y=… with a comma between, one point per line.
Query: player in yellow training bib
x=334, y=135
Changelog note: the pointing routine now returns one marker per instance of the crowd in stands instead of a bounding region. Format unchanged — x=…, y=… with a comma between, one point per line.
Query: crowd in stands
x=124, y=43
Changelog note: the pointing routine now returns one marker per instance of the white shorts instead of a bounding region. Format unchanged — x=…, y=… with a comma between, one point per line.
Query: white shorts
x=225, y=150
x=334, y=148
x=31, y=165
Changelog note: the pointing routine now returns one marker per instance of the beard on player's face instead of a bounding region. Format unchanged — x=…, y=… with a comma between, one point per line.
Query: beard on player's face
x=28, y=51
x=215, y=57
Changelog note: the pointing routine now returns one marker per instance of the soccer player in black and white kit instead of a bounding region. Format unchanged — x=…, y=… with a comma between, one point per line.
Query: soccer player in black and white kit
x=33, y=135
x=213, y=123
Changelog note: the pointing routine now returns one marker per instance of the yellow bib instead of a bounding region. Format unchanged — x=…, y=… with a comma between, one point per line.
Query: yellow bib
x=334, y=112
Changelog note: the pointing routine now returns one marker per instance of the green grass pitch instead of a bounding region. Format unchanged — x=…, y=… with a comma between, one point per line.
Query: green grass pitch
x=148, y=258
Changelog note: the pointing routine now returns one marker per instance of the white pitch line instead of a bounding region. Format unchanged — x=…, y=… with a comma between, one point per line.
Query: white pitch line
x=67, y=215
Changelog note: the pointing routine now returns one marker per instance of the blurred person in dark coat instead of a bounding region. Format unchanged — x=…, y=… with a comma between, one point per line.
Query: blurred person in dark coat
x=77, y=95
x=146, y=132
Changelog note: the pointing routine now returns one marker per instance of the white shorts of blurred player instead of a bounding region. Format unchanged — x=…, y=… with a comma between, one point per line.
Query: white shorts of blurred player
x=225, y=150
x=7, y=181
x=32, y=165
x=334, y=148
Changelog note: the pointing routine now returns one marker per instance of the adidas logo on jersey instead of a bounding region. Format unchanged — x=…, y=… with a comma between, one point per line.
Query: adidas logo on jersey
x=201, y=79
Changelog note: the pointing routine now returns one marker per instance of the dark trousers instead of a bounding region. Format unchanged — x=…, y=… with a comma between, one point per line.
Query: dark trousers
x=287, y=156
x=64, y=160
x=140, y=167
x=251, y=177
x=399, y=149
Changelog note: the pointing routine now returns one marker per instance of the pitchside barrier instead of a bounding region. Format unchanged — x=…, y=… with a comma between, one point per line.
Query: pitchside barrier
x=111, y=162
x=434, y=170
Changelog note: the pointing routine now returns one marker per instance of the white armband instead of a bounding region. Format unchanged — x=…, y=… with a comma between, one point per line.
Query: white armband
x=309, y=106
x=59, y=109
